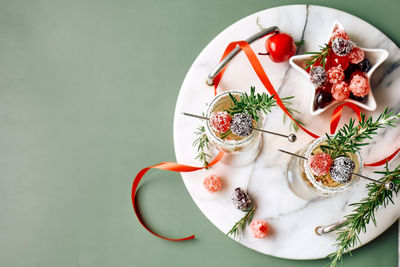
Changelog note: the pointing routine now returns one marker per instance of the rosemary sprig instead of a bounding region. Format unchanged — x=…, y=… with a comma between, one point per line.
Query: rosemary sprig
x=240, y=226
x=225, y=134
x=252, y=103
x=363, y=212
x=202, y=143
x=318, y=57
x=351, y=137
x=286, y=101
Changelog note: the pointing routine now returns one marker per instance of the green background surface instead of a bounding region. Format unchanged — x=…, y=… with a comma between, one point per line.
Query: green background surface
x=87, y=97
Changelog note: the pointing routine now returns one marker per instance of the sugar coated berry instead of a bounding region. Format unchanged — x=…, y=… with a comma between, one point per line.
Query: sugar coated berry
x=220, y=121
x=335, y=75
x=342, y=169
x=241, y=199
x=320, y=164
x=359, y=84
x=322, y=98
x=242, y=124
x=259, y=228
x=318, y=76
x=339, y=33
x=212, y=183
x=336, y=61
x=342, y=47
x=340, y=91
x=356, y=55
x=364, y=65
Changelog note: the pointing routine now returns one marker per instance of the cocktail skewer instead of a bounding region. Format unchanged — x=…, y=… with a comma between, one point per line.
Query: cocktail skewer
x=389, y=185
x=290, y=137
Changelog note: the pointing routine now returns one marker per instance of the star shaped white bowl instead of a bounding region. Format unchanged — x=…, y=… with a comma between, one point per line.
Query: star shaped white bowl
x=375, y=56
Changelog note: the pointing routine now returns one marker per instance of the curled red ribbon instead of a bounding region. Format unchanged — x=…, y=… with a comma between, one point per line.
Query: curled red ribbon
x=168, y=166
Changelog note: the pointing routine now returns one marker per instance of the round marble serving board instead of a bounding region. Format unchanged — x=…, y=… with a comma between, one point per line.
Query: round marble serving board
x=292, y=219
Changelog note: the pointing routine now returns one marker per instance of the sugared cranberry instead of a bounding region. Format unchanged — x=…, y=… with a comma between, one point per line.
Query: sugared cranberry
x=320, y=164
x=335, y=75
x=318, y=76
x=342, y=47
x=220, y=121
x=242, y=124
x=340, y=91
x=212, y=183
x=342, y=169
x=259, y=228
x=359, y=84
x=364, y=65
x=356, y=55
x=322, y=99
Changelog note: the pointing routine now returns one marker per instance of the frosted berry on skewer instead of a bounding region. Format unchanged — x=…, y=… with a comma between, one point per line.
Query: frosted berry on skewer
x=240, y=125
x=333, y=160
x=340, y=169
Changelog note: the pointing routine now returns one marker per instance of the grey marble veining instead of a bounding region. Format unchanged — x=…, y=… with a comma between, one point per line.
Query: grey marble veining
x=292, y=219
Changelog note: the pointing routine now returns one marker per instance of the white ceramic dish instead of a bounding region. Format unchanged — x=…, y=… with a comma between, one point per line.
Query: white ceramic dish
x=375, y=56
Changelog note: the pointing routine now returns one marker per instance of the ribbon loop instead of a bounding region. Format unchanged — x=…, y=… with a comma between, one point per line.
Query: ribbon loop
x=167, y=166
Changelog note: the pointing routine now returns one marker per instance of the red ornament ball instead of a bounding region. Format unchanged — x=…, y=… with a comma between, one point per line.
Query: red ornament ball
x=356, y=55
x=280, y=47
x=359, y=84
x=220, y=121
x=340, y=91
x=212, y=183
x=335, y=75
x=320, y=164
x=259, y=228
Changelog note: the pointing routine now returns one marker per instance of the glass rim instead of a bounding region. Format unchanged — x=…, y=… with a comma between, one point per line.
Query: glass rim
x=327, y=189
x=211, y=131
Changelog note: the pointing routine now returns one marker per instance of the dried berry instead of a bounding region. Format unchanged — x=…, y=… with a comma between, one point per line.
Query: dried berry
x=241, y=199
x=242, y=124
x=364, y=65
x=318, y=76
x=342, y=47
x=220, y=121
x=342, y=169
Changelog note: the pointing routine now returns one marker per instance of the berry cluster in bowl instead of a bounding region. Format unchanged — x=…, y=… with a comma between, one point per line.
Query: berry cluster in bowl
x=340, y=72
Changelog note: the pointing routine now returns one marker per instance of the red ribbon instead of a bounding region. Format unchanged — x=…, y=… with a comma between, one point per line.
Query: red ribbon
x=168, y=166
x=255, y=63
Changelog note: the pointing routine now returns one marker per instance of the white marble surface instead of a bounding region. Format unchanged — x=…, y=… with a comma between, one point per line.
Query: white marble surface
x=292, y=219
